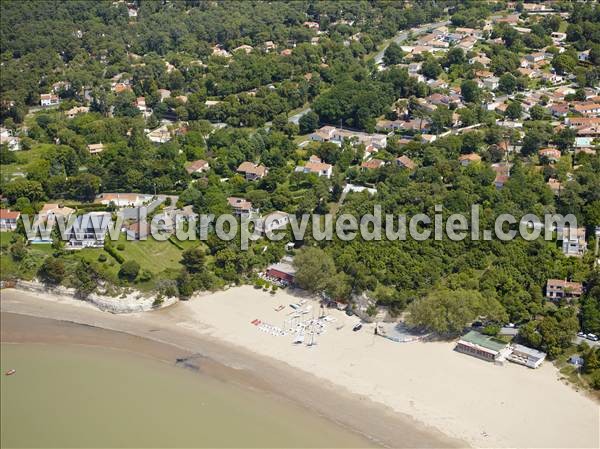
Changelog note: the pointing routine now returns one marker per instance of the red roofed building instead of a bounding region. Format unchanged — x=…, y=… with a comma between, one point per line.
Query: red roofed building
x=405, y=162
x=198, y=166
x=467, y=159
x=252, y=171
x=551, y=154
x=558, y=289
x=373, y=164
x=8, y=219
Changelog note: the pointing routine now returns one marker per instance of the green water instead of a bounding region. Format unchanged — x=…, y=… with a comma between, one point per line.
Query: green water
x=73, y=396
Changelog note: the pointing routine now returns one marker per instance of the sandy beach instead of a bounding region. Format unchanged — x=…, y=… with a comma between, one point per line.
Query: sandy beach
x=420, y=394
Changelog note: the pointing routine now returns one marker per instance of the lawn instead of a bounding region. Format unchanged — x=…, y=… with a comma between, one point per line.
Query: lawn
x=159, y=258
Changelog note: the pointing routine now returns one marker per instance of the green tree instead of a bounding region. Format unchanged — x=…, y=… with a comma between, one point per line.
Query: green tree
x=563, y=63
x=193, y=259
x=308, y=123
x=314, y=269
x=514, y=110
x=393, y=54
x=470, y=91
x=507, y=83
x=52, y=271
x=129, y=270
x=448, y=312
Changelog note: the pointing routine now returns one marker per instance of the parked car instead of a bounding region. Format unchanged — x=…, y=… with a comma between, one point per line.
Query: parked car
x=592, y=337
x=357, y=327
x=581, y=334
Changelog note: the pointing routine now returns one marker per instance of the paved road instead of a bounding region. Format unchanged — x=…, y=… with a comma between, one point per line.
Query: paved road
x=296, y=117
x=401, y=37
x=578, y=340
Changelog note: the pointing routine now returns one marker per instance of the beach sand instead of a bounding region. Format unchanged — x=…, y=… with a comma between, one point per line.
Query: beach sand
x=420, y=394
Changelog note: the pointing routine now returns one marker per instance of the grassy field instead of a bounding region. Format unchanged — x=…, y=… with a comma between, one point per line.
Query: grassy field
x=161, y=259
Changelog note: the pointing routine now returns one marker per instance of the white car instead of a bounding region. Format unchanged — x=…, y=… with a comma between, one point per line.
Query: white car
x=592, y=337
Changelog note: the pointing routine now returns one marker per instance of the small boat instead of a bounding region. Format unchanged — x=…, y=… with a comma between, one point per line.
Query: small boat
x=10, y=372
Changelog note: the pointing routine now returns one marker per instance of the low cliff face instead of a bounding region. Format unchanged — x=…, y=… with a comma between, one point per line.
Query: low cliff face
x=127, y=303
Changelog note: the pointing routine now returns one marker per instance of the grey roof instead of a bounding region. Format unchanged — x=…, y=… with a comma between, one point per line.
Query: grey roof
x=283, y=267
x=533, y=353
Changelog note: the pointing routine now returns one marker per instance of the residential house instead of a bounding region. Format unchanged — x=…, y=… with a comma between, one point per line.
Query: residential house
x=121, y=87
x=123, y=199
x=337, y=135
x=491, y=83
x=269, y=46
x=272, y=222
x=88, y=230
x=8, y=219
x=573, y=241
x=140, y=103
x=558, y=289
x=49, y=99
x=311, y=25
x=372, y=164
x=552, y=78
x=535, y=57
x=405, y=162
x=481, y=59
x=7, y=138
x=554, y=185
x=582, y=121
x=138, y=230
x=95, y=148
x=587, y=108
x=316, y=166
x=241, y=206
x=50, y=211
x=502, y=170
x=467, y=159
x=219, y=51
x=252, y=171
x=245, y=48
x=286, y=52
x=559, y=109
x=164, y=94
x=552, y=155
x=46, y=218
x=71, y=113
x=160, y=134
x=199, y=166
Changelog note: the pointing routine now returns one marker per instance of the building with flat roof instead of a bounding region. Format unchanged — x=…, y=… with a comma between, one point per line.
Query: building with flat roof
x=282, y=271
x=529, y=357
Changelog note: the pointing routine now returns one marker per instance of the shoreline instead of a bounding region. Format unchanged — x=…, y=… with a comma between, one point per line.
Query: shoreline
x=399, y=394
x=377, y=424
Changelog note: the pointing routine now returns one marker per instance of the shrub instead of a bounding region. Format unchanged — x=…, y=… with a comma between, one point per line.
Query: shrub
x=121, y=247
x=129, y=270
x=111, y=250
x=491, y=329
x=102, y=258
x=145, y=276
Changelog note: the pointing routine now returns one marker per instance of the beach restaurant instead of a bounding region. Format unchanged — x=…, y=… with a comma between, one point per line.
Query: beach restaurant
x=483, y=347
x=282, y=271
